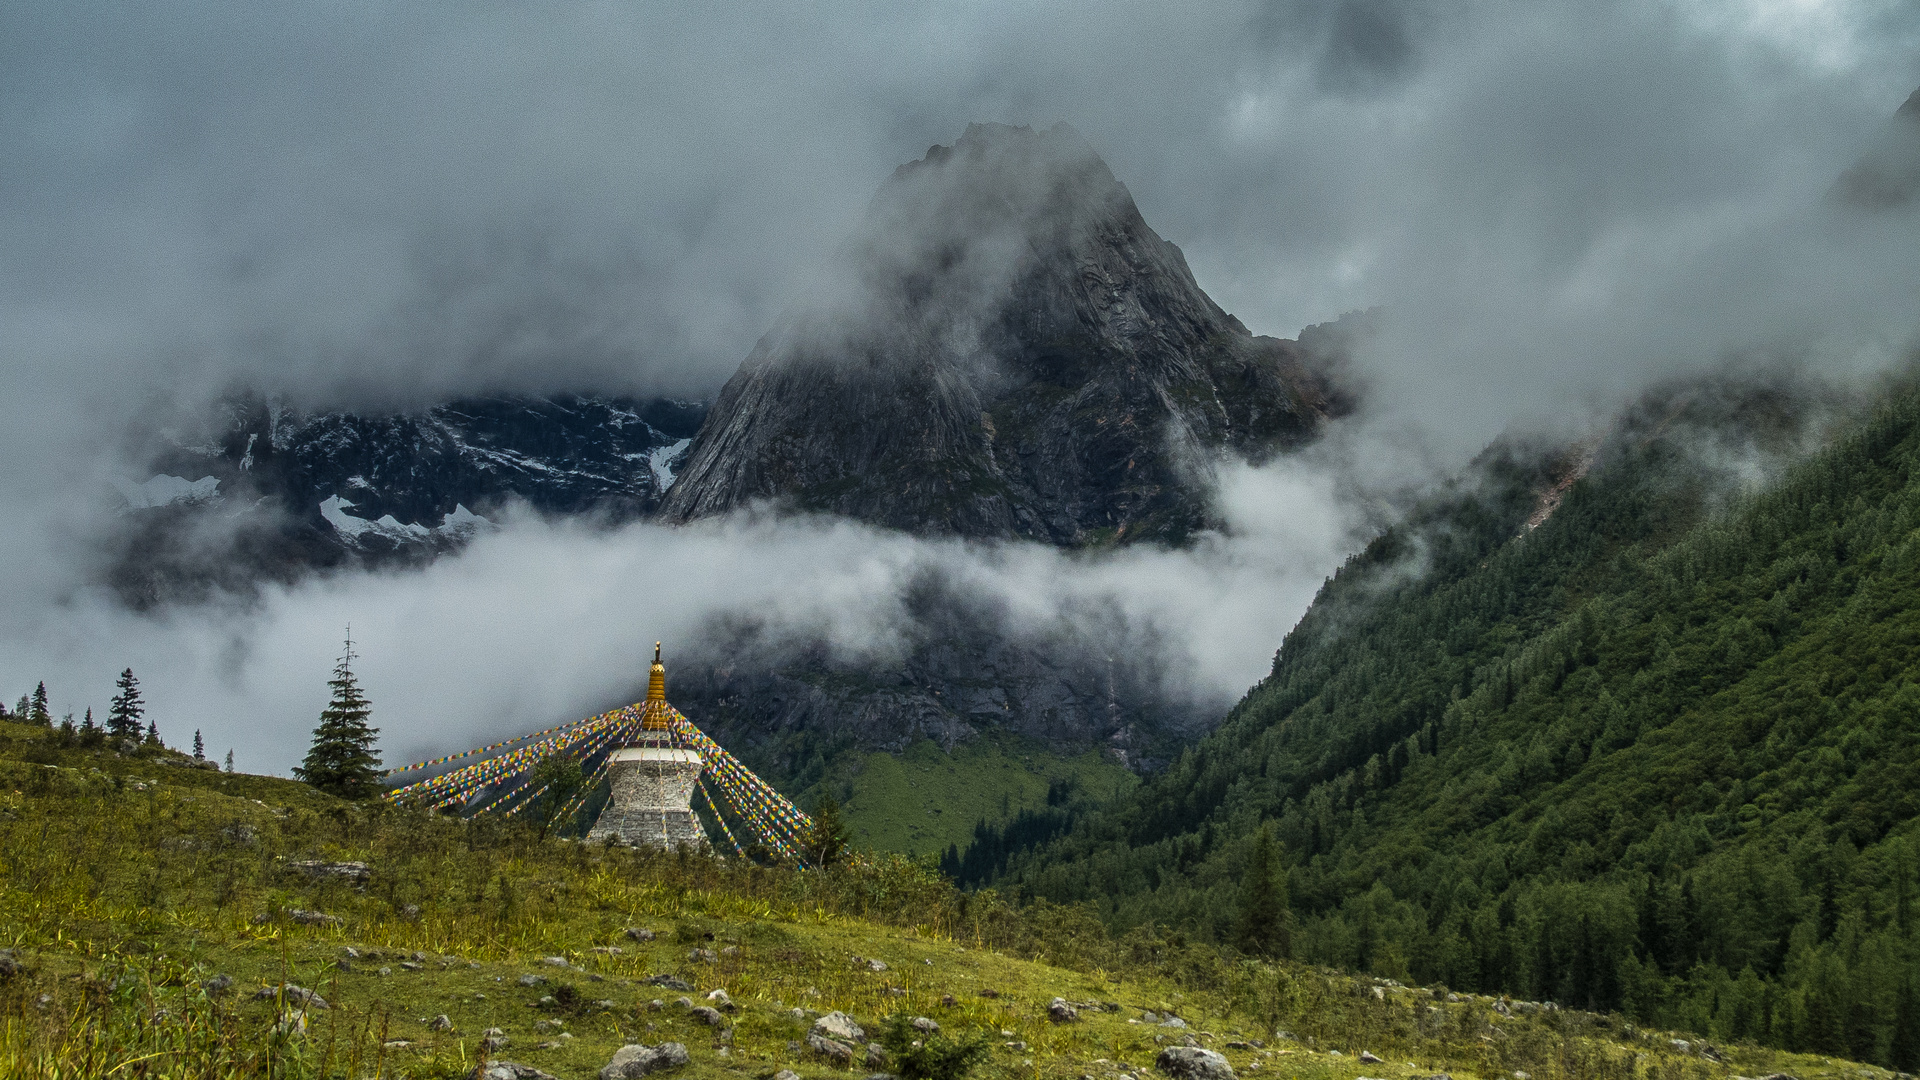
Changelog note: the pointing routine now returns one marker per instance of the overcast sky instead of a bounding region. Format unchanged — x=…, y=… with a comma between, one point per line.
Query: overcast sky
x=384, y=205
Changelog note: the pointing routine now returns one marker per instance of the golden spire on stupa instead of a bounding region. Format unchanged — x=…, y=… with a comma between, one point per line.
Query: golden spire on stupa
x=653, y=714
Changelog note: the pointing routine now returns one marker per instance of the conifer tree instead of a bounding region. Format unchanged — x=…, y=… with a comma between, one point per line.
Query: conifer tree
x=123, y=715
x=562, y=776
x=88, y=724
x=229, y=761
x=342, y=760
x=199, y=748
x=20, y=710
x=1264, y=926
x=827, y=843
x=39, y=713
x=153, y=734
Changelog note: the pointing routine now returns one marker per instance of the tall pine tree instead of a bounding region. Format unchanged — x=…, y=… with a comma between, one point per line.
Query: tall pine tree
x=342, y=760
x=38, y=713
x=199, y=748
x=1265, y=925
x=123, y=715
x=827, y=842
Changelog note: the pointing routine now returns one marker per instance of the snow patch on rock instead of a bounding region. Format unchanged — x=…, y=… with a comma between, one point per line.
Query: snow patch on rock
x=164, y=490
x=662, y=460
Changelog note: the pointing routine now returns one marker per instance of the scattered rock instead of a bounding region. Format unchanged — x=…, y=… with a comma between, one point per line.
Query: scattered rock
x=925, y=1026
x=1193, y=1063
x=639, y=934
x=786, y=1074
x=989, y=992
x=9, y=964
x=510, y=1070
x=358, y=873
x=411, y=911
x=384, y=971
x=411, y=965
x=292, y=995
x=635, y=1060
x=555, y=961
x=396, y=1044
x=838, y=1025
x=669, y=982
x=876, y=965
x=350, y=953
x=218, y=985
x=440, y=1023
x=731, y=950
x=702, y=956
x=708, y=1016
x=837, y=1052
x=1173, y=1022
x=949, y=1000
x=530, y=979
x=314, y=918
x=684, y=1002
x=1149, y=1017
x=1367, y=1058
x=876, y=1055
x=293, y=1023
x=606, y=950
x=720, y=1000
x=548, y=1027
x=493, y=1042
x=1060, y=1012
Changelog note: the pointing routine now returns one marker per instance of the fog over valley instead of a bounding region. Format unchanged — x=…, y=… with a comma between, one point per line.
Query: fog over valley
x=1530, y=214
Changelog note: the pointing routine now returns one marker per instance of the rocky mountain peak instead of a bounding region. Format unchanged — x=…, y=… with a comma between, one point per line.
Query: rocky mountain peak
x=1003, y=348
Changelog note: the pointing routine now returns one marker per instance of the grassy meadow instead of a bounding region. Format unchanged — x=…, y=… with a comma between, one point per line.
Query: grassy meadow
x=129, y=886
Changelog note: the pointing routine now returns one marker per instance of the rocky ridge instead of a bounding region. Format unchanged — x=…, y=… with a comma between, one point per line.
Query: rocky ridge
x=1006, y=349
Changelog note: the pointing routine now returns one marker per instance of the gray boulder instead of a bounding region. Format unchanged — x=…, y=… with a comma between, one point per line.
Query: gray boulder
x=1193, y=1063
x=839, y=1026
x=709, y=1016
x=510, y=1070
x=634, y=1060
x=1060, y=1012
x=832, y=1049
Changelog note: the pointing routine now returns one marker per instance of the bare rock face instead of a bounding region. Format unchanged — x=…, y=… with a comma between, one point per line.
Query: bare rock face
x=1005, y=349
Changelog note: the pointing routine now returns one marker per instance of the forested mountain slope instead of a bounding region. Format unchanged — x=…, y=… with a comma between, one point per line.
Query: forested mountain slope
x=1658, y=754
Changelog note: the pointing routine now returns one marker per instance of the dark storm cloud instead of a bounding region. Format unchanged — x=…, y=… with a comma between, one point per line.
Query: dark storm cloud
x=1555, y=203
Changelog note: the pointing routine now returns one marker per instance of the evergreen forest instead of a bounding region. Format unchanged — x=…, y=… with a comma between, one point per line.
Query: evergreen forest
x=1657, y=755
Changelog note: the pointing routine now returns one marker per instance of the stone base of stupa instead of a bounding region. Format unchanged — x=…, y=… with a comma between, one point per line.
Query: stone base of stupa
x=651, y=803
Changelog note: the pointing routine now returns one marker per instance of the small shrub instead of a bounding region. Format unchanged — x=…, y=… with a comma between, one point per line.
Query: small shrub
x=936, y=1056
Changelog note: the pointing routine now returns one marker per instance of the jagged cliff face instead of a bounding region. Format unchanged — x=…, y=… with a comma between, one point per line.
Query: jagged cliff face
x=275, y=492
x=1005, y=349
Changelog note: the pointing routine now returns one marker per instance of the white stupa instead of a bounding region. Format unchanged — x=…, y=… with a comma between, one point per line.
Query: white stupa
x=652, y=781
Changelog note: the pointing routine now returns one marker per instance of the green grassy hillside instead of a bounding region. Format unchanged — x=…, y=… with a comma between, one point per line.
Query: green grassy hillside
x=927, y=800
x=134, y=890
x=1657, y=755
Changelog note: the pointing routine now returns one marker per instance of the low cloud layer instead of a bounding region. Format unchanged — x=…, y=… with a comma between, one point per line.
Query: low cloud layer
x=541, y=622
x=1553, y=203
